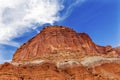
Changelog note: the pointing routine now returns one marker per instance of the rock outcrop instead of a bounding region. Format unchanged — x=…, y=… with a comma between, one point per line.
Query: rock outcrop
x=50, y=71
x=117, y=49
x=60, y=53
x=57, y=40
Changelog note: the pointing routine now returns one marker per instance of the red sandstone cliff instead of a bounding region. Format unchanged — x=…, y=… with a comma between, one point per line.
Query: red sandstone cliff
x=55, y=40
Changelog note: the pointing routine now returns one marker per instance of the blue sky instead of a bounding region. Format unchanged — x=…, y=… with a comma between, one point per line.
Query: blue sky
x=98, y=18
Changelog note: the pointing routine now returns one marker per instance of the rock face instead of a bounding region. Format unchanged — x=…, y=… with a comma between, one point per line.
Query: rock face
x=49, y=71
x=117, y=49
x=45, y=71
x=56, y=40
x=60, y=53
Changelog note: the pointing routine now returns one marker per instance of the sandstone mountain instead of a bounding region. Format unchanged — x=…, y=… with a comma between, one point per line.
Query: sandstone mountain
x=60, y=53
x=57, y=40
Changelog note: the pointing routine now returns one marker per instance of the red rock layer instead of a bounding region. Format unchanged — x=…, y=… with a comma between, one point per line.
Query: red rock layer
x=45, y=71
x=49, y=71
x=106, y=71
x=117, y=49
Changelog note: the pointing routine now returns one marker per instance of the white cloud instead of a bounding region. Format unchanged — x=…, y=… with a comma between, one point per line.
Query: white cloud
x=71, y=5
x=19, y=16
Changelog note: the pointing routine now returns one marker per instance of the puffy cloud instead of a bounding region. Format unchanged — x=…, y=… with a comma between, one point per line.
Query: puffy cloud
x=20, y=16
